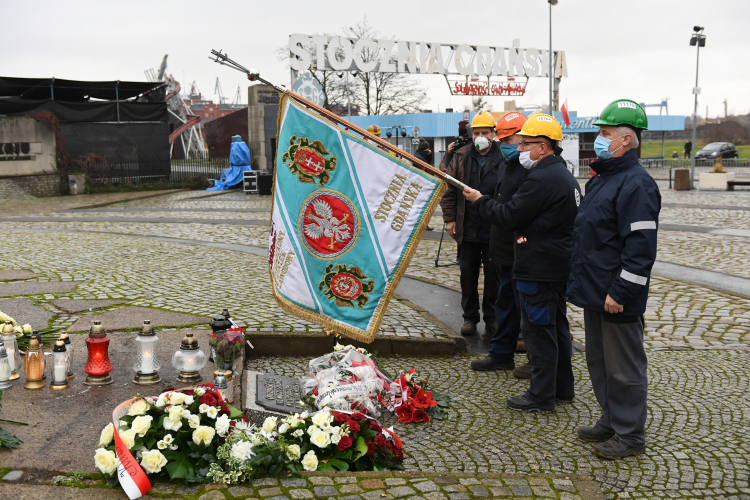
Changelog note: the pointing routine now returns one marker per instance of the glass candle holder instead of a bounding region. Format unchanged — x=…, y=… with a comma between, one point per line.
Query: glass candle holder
x=33, y=366
x=229, y=375
x=189, y=360
x=69, y=350
x=4, y=369
x=59, y=366
x=146, y=364
x=11, y=348
x=98, y=366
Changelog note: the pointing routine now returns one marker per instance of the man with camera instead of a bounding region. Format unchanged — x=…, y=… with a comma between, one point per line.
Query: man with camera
x=477, y=165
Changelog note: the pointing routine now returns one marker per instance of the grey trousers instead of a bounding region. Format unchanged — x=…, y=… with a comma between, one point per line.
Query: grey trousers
x=617, y=365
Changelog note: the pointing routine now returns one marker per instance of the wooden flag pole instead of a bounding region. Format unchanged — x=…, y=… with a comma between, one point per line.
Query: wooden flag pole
x=253, y=76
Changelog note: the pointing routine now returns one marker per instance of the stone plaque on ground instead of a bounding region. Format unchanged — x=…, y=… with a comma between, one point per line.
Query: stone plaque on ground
x=278, y=393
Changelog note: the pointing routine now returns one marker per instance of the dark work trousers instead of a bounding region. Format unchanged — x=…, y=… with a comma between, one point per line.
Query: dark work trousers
x=546, y=332
x=617, y=366
x=503, y=343
x=472, y=256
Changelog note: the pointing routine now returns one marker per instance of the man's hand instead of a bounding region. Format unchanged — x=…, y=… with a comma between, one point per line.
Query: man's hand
x=611, y=306
x=472, y=194
x=451, y=146
x=451, y=228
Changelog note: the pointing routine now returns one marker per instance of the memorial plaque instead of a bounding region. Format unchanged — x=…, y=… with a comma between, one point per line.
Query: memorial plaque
x=278, y=393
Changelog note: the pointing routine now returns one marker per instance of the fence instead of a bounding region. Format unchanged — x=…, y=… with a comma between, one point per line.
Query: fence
x=660, y=168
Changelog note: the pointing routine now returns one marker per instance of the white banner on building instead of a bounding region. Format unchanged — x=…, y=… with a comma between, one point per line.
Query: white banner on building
x=570, y=152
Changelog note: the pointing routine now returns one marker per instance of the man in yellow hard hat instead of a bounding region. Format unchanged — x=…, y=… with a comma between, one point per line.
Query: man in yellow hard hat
x=374, y=130
x=476, y=165
x=541, y=214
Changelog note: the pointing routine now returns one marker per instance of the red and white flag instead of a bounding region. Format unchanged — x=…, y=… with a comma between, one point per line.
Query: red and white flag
x=566, y=117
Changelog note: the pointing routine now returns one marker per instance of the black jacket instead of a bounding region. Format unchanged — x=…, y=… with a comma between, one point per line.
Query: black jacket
x=615, y=237
x=501, y=240
x=541, y=214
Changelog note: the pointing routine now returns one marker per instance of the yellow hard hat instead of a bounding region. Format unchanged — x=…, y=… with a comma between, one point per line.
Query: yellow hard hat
x=483, y=119
x=374, y=129
x=542, y=125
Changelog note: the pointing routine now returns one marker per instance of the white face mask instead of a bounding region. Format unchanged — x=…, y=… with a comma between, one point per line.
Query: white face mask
x=482, y=143
x=526, y=161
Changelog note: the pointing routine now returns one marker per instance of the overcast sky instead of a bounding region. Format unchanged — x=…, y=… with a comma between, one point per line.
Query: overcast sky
x=637, y=49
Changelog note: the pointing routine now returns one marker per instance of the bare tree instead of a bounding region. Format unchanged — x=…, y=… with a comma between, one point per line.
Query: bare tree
x=478, y=103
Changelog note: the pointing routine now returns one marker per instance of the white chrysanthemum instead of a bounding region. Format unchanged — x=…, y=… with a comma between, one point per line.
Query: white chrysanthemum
x=242, y=450
x=222, y=425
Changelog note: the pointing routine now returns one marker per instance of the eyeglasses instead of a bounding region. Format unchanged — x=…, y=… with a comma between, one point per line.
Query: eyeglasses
x=523, y=145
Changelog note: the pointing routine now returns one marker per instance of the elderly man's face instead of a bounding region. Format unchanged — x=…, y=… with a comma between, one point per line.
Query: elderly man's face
x=511, y=139
x=610, y=132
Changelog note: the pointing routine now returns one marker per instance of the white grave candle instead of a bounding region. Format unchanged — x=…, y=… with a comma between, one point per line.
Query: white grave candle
x=61, y=373
x=11, y=358
x=147, y=362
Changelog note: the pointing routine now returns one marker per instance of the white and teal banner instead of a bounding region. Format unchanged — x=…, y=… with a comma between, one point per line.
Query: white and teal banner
x=347, y=218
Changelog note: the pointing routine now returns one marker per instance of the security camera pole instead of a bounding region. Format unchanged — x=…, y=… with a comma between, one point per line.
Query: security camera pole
x=699, y=40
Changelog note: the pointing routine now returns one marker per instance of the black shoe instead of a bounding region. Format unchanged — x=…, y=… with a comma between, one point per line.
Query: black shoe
x=469, y=329
x=430, y=229
x=490, y=329
x=566, y=400
x=488, y=364
x=520, y=403
x=614, y=449
x=523, y=371
x=595, y=434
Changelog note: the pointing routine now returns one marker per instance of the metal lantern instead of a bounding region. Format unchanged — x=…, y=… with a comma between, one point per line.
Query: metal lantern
x=189, y=360
x=11, y=349
x=4, y=369
x=220, y=323
x=98, y=366
x=33, y=366
x=69, y=350
x=220, y=382
x=59, y=366
x=146, y=365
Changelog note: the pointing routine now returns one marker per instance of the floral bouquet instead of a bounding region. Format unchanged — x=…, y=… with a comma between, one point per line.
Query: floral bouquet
x=327, y=440
x=175, y=435
x=415, y=403
x=227, y=346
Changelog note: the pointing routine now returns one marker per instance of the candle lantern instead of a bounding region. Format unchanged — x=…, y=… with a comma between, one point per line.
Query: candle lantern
x=36, y=335
x=4, y=369
x=98, y=365
x=189, y=360
x=231, y=385
x=11, y=349
x=220, y=323
x=59, y=366
x=69, y=350
x=146, y=365
x=220, y=382
x=33, y=366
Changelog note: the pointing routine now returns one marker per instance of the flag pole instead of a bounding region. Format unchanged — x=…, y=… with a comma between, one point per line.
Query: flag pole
x=253, y=75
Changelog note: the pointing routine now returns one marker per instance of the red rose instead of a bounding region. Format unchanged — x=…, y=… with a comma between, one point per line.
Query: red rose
x=370, y=448
x=405, y=413
x=340, y=417
x=423, y=399
x=315, y=391
x=345, y=443
x=358, y=416
x=373, y=425
x=208, y=399
x=353, y=426
x=224, y=410
x=398, y=455
x=380, y=441
x=420, y=416
x=188, y=392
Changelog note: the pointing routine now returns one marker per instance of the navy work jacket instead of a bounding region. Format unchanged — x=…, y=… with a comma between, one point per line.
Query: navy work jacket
x=614, y=236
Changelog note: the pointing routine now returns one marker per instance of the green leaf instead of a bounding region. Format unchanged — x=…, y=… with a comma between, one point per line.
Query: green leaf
x=181, y=468
x=344, y=455
x=9, y=440
x=338, y=464
x=367, y=434
x=234, y=413
x=150, y=442
x=360, y=449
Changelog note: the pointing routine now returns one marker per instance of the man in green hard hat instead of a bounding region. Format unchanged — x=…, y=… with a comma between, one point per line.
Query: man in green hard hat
x=614, y=248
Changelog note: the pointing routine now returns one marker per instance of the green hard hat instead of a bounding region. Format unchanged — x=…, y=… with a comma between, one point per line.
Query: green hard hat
x=623, y=112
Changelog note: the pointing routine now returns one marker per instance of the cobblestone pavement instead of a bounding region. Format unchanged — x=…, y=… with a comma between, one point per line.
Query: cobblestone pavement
x=720, y=253
x=726, y=219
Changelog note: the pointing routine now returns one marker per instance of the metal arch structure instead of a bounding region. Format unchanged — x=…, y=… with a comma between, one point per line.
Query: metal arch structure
x=190, y=133
x=662, y=104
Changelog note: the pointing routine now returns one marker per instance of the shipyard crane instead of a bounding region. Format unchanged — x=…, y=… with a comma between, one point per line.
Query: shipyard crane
x=217, y=90
x=662, y=104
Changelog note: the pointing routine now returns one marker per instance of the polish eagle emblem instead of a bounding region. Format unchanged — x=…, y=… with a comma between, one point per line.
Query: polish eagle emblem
x=324, y=224
x=309, y=161
x=347, y=286
x=328, y=224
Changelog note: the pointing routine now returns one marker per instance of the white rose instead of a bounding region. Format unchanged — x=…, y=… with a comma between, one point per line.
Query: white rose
x=293, y=452
x=139, y=407
x=194, y=421
x=322, y=417
x=153, y=461
x=108, y=433
x=222, y=425
x=106, y=461
x=161, y=401
x=283, y=428
x=141, y=425
x=269, y=425
x=178, y=398
x=212, y=412
x=298, y=433
x=242, y=450
x=203, y=434
x=335, y=438
x=310, y=462
x=161, y=445
x=320, y=439
x=128, y=438
x=304, y=414
x=175, y=413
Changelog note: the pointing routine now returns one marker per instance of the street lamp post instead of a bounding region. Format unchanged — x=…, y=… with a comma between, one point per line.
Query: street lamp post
x=699, y=40
x=551, y=77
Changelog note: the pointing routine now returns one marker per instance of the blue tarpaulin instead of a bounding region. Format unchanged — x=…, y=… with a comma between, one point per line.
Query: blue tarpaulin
x=239, y=162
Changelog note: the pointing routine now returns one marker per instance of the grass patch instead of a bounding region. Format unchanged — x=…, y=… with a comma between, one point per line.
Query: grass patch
x=653, y=148
x=4, y=471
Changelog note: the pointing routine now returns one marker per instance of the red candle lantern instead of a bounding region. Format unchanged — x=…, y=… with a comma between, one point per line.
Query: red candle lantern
x=98, y=365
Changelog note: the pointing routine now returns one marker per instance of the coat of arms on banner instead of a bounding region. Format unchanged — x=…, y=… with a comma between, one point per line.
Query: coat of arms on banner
x=308, y=161
x=347, y=218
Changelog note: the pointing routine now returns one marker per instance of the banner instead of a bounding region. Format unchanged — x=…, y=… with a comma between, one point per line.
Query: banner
x=347, y=218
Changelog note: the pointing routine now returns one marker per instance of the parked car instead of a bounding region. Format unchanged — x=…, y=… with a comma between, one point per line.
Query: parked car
x=716, y=150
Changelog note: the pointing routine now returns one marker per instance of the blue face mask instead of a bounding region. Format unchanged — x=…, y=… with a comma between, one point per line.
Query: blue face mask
x=601, y=147
x=509, y=151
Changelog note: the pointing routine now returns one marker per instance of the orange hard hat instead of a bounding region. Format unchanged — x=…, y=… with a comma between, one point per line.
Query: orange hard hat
x=374, y=129
x=509, y=124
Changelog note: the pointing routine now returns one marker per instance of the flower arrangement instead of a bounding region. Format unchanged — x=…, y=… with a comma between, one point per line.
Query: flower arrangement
x=415, y=404
x=227, y=346
x=324, y=441
x=19, y=330
x=175, y=435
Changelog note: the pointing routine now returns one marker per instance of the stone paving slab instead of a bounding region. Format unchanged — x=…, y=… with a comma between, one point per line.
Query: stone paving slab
x=36, y=288
x=76, y=306
x=25, y=311
x=10, y=275
x=132, y=317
